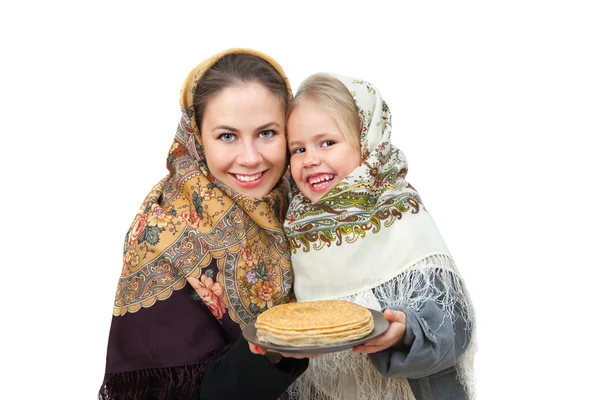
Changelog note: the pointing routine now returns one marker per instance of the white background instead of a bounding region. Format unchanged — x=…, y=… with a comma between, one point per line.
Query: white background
x=496, y=106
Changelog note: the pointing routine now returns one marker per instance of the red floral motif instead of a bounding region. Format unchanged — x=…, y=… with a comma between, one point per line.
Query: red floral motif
x=293, y=217
x=191, y=218
x=211, y=294
x=137, y=228
x=249, y=257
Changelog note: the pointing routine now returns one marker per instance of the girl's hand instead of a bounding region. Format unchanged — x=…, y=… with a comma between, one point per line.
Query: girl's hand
x=261, y=350
x=393, y=335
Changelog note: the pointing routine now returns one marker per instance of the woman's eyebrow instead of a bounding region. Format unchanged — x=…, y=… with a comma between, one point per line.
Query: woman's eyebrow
x=260, y=128
x=225, y=127
x=268, y=125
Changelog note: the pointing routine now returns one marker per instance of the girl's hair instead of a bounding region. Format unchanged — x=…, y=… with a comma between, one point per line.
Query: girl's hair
x=237, y=70
x=332, y=96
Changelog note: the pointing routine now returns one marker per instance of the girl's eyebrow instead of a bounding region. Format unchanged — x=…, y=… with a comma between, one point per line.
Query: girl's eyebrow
x=316, y=136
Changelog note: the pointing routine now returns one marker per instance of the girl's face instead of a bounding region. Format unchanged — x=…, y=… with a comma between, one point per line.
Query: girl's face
x=243, y=133
x=321, y=156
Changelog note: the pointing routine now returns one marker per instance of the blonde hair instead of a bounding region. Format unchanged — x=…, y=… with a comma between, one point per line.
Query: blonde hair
x=332, y=96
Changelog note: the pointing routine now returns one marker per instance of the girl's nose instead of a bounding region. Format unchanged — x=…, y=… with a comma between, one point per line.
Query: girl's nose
x=310, y=159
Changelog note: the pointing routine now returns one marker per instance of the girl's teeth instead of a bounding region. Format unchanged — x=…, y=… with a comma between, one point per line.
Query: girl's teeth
x=320, y=179
x=248, y=178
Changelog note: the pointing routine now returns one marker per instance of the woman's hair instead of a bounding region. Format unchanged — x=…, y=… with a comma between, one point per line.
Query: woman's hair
x=237, y=70
x=332, y=96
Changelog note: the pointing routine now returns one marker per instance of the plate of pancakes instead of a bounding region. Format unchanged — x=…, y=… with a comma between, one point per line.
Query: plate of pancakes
x=315, y=327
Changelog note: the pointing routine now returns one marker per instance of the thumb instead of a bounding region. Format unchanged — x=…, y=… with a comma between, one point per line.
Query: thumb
x=394, y=316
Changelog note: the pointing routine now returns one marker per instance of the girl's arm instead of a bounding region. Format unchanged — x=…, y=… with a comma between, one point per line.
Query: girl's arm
x=431, y=343
x=427, y=336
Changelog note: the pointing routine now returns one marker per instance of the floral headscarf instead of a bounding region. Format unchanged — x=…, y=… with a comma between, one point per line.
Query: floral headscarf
x=189, y=219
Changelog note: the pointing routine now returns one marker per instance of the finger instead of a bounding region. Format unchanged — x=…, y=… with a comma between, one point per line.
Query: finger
x=394, y=316
x=390, y=337
x=257, y=349
x=373, y=346
x=368, y=349
x=252, y=348
x=380, y=345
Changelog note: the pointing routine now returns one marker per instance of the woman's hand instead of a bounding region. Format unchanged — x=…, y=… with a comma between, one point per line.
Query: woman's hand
x=393, y=335
x=261, y=350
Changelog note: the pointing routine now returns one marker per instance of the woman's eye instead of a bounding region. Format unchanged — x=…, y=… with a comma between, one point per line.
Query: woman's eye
x=298, y=150
x=327, y=143
x=267, y=134
x=226, y=137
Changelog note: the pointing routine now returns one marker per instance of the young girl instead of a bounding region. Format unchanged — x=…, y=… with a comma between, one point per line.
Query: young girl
x=359, y=231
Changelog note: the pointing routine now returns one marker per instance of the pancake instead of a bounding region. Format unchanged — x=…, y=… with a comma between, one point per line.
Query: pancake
x=314, y=323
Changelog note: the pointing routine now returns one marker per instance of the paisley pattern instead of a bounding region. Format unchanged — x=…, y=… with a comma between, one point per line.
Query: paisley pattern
x=189, y=219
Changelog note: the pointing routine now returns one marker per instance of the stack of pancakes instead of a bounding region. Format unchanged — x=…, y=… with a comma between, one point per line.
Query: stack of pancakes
x=314, y=323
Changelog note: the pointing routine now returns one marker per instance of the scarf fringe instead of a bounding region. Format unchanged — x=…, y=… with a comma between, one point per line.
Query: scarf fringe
x=156, y=383
x=181, y=382
x=347, y=375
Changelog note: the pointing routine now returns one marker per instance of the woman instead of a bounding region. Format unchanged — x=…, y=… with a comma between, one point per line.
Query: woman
x=206, y=252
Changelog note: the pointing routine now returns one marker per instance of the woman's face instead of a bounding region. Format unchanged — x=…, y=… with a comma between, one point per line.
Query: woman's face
x=243, y=133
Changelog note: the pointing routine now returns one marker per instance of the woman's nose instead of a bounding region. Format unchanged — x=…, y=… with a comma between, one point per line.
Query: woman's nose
x=249, y=155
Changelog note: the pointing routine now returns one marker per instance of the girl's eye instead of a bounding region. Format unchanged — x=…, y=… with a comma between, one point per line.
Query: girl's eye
x=327, y=143
x=267, y=134
x=227, y=137
x=298, y=150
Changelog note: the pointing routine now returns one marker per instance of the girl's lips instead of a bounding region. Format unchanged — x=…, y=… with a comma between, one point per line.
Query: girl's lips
x=248, y=184
x=319, y=177
x=320, y=187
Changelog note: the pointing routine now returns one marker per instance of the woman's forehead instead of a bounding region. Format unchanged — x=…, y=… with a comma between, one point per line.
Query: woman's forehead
x=244, y=107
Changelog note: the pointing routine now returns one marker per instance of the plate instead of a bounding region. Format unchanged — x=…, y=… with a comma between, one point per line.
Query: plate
x=381, y=325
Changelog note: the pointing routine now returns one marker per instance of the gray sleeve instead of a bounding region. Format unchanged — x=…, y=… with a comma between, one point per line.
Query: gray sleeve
x=431, y=343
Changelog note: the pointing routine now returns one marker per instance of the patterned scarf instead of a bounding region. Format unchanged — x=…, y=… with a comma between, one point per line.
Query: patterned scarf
x=371, y=226
x=190, y=219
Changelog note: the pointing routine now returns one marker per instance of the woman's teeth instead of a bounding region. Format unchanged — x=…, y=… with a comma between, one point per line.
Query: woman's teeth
x=248, y=178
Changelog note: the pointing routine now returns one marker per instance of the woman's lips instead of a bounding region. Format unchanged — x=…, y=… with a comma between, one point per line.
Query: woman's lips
x=248, y=180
